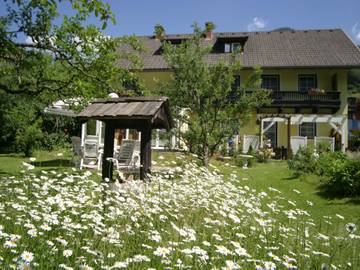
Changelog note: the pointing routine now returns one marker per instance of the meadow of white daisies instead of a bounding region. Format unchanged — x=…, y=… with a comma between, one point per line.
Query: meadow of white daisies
x=189, y=218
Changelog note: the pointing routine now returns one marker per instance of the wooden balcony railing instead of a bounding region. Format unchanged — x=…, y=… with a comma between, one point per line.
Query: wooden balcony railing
x=329, y=99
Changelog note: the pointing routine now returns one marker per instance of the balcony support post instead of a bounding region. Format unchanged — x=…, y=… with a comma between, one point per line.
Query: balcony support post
x=289, y=154
x=343, y=134
x=261, y=132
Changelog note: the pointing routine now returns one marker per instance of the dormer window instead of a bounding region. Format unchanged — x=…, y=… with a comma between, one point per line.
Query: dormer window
x=231, y=44
x=236, y=46
x=232, y=47
x=174, y=41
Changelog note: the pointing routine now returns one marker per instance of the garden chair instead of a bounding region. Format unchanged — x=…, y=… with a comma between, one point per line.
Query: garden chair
x=125, y=161
x=91, y=156
x=126, y=152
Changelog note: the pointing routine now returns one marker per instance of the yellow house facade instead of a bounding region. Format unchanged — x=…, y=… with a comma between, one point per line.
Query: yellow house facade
x=305, y=70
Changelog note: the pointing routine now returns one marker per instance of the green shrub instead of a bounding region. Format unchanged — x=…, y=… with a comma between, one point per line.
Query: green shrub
x=28, y=139
x=340, y=175
x=343, y=178
x=242, y=161
x=305, y=161
x=326, y=160
x=263, y=155
x=54, y=141
x=323, y=147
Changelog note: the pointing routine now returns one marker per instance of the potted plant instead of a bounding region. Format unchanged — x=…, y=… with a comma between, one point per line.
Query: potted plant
x=209, y=27
x=316, y=91
x=159, y=31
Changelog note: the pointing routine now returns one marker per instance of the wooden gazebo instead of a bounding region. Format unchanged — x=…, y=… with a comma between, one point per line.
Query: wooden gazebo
x=140, y=113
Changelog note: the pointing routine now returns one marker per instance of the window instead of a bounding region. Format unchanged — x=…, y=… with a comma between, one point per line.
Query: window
x=307, y=82
x=271, y=134
x=227, y=47
x=232, y=47
x=271, y=82
x=235, y=47
x=307, y=130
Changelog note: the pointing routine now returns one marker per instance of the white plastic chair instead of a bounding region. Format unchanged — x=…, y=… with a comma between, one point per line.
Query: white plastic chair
x=91, y=157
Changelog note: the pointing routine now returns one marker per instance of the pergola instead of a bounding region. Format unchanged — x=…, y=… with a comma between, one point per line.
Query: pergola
x=338, y=122
x=140, y=113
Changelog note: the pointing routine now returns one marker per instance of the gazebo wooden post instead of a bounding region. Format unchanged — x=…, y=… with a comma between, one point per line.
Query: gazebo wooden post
x=288, y=156
x=145, y=151
x=107, y=166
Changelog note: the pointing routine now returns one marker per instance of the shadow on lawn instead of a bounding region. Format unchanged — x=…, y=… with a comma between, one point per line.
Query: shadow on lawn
x=53, y=163
x=291, y=177
x=329, y=194
x=3, y=173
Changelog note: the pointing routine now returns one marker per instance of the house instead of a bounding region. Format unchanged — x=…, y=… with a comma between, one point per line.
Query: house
x=306, y=71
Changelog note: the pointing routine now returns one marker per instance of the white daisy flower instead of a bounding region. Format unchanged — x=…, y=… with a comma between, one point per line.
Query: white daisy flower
x=67, y=253
x=27, y=256
x=162, y=252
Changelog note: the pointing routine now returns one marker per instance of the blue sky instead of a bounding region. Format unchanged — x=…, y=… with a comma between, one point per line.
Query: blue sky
x=139, y=17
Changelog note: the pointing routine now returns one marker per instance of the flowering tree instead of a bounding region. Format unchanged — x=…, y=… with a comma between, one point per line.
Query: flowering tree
x=57, y=60
x=216, y=109
x=47, y=56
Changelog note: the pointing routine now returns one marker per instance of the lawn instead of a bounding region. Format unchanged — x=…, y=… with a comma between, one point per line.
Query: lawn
x=277, y=175
x=191, y=218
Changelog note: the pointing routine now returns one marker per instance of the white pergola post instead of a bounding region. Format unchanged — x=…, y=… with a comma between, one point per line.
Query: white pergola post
x=261, y=132
x=343, y=134
x=83, y=131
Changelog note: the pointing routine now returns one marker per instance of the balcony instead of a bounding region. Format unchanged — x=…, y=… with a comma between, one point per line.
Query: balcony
x=297, y=100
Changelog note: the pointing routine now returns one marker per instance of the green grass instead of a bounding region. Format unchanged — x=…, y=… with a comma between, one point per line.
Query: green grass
x=60, y=160
x=277, y=175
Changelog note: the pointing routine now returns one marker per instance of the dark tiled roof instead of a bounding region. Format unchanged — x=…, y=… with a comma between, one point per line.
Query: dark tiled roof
x=276, y=49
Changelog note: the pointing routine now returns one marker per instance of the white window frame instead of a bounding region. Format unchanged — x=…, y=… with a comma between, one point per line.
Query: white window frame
x=227, y=47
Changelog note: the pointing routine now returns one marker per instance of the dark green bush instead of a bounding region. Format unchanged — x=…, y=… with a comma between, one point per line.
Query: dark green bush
x=55, y=140
x=304, y=161
x=323, y=147
x=241, y=161
x=326, y=160
x=343, y=178
x=29, y=139
x=340, y=175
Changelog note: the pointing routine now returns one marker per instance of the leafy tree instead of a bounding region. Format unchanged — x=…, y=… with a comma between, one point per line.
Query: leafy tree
x=63, y=56
x=215, y=108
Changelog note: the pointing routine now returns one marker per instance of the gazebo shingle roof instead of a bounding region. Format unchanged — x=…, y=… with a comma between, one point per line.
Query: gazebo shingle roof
x=155, y=109
x=275, y=49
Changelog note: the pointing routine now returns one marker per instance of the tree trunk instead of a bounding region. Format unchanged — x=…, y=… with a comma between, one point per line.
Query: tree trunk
x=206, y=156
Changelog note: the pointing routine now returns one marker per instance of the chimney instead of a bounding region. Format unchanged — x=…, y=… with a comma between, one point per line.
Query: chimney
x=209, y=27
x=159, y=31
